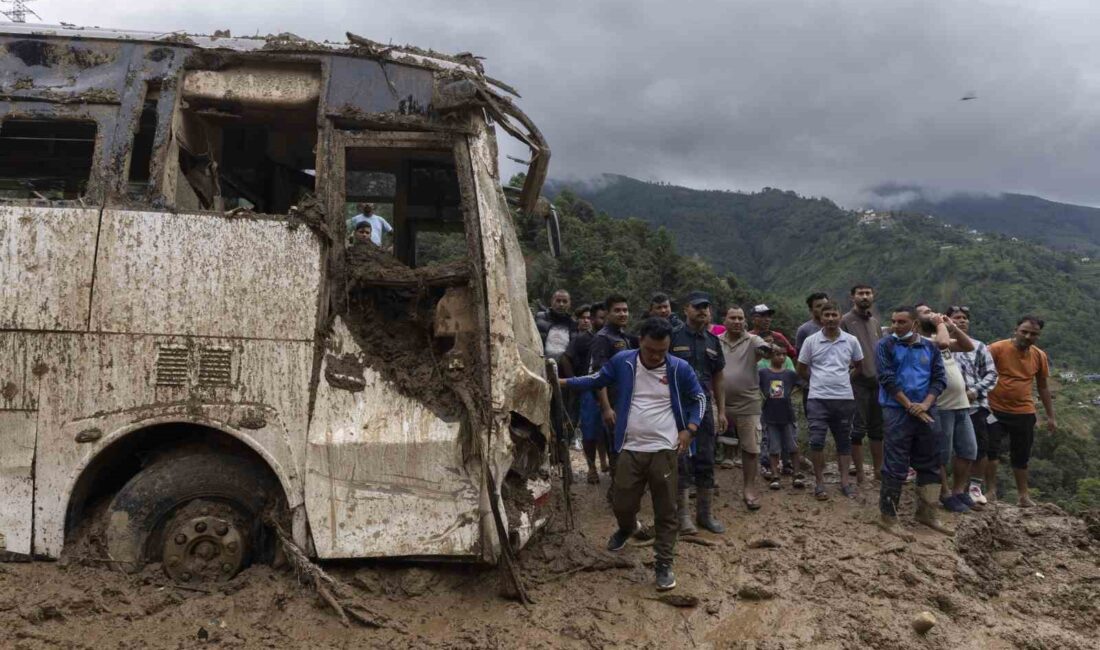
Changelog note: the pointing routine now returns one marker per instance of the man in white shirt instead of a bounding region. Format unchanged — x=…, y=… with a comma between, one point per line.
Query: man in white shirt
x=378, y=225
x=659, y=405
x=826, y=361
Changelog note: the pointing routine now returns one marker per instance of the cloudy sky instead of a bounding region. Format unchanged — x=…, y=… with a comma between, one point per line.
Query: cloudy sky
x=825, y=97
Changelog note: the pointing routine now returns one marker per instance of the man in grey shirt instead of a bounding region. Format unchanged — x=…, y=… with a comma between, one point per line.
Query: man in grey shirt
x=862, y=324
x=815, y=301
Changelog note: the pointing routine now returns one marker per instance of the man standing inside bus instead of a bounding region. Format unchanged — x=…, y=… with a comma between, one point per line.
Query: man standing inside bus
x=378, y=225
x=659, y=405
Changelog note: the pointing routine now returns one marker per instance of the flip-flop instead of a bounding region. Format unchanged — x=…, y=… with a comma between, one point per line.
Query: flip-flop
x=751, y=504
x=774, y=485
x=820, y=494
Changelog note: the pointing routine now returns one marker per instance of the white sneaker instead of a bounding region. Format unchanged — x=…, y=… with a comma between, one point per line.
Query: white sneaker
x=912, y=476
x=976, y=495
x=577, y=444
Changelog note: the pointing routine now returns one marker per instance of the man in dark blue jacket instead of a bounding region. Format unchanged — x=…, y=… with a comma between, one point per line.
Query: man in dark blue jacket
x=658, y=407
x=911, y=376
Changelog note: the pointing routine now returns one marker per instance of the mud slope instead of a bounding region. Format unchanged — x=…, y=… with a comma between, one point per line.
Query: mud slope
x=797, y=574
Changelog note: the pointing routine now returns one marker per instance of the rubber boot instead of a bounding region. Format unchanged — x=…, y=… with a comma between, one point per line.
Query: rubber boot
x=889, y=496
x=703, y=499
x=928, y=507
x=683, y=512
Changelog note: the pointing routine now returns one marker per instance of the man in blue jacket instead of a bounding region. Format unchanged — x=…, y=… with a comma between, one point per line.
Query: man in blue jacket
x=911, y=376
x=658, y=407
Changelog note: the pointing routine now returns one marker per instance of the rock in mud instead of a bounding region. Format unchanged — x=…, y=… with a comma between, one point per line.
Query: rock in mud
x=923, y=622
x=755, y=592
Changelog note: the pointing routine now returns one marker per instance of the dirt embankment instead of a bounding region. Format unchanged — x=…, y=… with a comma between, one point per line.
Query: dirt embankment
x=796, y=574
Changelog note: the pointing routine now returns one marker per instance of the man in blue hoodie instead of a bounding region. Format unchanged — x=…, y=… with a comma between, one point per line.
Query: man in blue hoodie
x=911, y=376
x=658, y=408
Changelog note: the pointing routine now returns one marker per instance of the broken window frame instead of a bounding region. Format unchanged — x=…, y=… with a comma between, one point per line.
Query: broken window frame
x=444, y=143
x=104, y=119
x=166, y=159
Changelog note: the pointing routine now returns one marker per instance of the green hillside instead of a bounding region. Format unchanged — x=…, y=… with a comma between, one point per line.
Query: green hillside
x=786, y=245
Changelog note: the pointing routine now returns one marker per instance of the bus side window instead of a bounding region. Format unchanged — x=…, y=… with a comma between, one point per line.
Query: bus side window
x=45, y=158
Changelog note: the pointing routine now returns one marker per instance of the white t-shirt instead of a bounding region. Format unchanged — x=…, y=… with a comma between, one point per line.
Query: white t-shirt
x=557, y=340
x=954, y=396
x=651, y=426
x=829, y=362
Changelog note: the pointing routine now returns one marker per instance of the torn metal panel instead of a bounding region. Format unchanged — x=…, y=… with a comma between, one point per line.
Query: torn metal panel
x=17, y=431
x=518, y=370
x=107, y=383
x=46, y=274
x=213, y=276
x=385, y=474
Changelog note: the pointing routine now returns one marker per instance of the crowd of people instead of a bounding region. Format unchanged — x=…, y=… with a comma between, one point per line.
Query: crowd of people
x=659, y=406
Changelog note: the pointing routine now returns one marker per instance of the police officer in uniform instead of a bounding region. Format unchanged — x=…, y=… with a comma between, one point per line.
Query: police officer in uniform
x=695, y=344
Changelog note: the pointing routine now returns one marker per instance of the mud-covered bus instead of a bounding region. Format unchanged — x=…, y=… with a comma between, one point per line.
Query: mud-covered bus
x=189, y=348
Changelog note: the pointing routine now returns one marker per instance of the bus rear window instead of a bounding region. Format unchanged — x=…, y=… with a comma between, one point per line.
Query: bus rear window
x=45, y=159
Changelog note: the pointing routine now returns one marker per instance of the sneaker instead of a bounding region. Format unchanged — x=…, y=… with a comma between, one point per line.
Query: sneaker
x=666, y=579
x=620, y=537
x=577, y=445
x=976, y=495
x=953, y=504
x=911, y=476
x=848, y=491
x=774, y=485
x=767, y=474
x=964, y=497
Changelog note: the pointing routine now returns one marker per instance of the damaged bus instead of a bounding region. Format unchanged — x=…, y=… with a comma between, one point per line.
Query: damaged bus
x=189, y=345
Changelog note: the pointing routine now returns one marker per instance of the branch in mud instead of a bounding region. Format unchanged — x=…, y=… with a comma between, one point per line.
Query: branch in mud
x=333, y=592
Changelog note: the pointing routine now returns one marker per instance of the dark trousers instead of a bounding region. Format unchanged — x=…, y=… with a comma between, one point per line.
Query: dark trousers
x=868, y=420
x=1020, y=430
x=698, y=468
x=910, y=443
x=634, y=472
x=980, y=421
x=825, y=415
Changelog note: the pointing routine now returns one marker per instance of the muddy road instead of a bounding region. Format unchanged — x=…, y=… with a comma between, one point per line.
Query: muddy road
x=796, y=574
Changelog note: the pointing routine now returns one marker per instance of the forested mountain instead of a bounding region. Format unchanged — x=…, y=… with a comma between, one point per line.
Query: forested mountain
x=779, y=246
x=1059, y=225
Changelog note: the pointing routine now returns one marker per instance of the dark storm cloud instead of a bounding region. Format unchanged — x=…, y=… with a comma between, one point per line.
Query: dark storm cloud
x=826, y=98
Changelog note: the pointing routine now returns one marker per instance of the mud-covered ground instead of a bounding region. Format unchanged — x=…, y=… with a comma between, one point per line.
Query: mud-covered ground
x=796, y=574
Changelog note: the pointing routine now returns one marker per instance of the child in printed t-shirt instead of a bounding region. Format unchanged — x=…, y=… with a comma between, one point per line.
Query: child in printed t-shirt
x=777, y=416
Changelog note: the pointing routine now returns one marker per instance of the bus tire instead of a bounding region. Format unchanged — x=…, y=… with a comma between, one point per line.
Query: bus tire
x=198, y=512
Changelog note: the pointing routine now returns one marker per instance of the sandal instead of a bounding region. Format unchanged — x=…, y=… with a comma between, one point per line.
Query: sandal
x=799, y=484
x=751, y=504
x=774, y=485
x=819, y=493
x=848, y=491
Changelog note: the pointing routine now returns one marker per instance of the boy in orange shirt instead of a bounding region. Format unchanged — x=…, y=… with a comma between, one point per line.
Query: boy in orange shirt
x=1018, y=362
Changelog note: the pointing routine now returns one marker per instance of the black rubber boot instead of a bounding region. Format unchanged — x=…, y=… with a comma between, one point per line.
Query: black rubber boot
x=703, y=517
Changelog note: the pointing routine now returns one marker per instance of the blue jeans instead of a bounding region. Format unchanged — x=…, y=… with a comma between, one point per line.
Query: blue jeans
x=908, y=442
x=958, y=432
x=833, y=415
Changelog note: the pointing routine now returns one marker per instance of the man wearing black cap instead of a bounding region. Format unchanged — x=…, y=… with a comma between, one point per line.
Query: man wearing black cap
x=694, y=343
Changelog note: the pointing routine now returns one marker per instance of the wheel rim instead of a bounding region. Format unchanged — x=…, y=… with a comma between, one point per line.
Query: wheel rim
x=204, y=546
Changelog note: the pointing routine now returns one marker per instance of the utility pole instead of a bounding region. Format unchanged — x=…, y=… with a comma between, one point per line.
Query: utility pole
x=18, y=12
